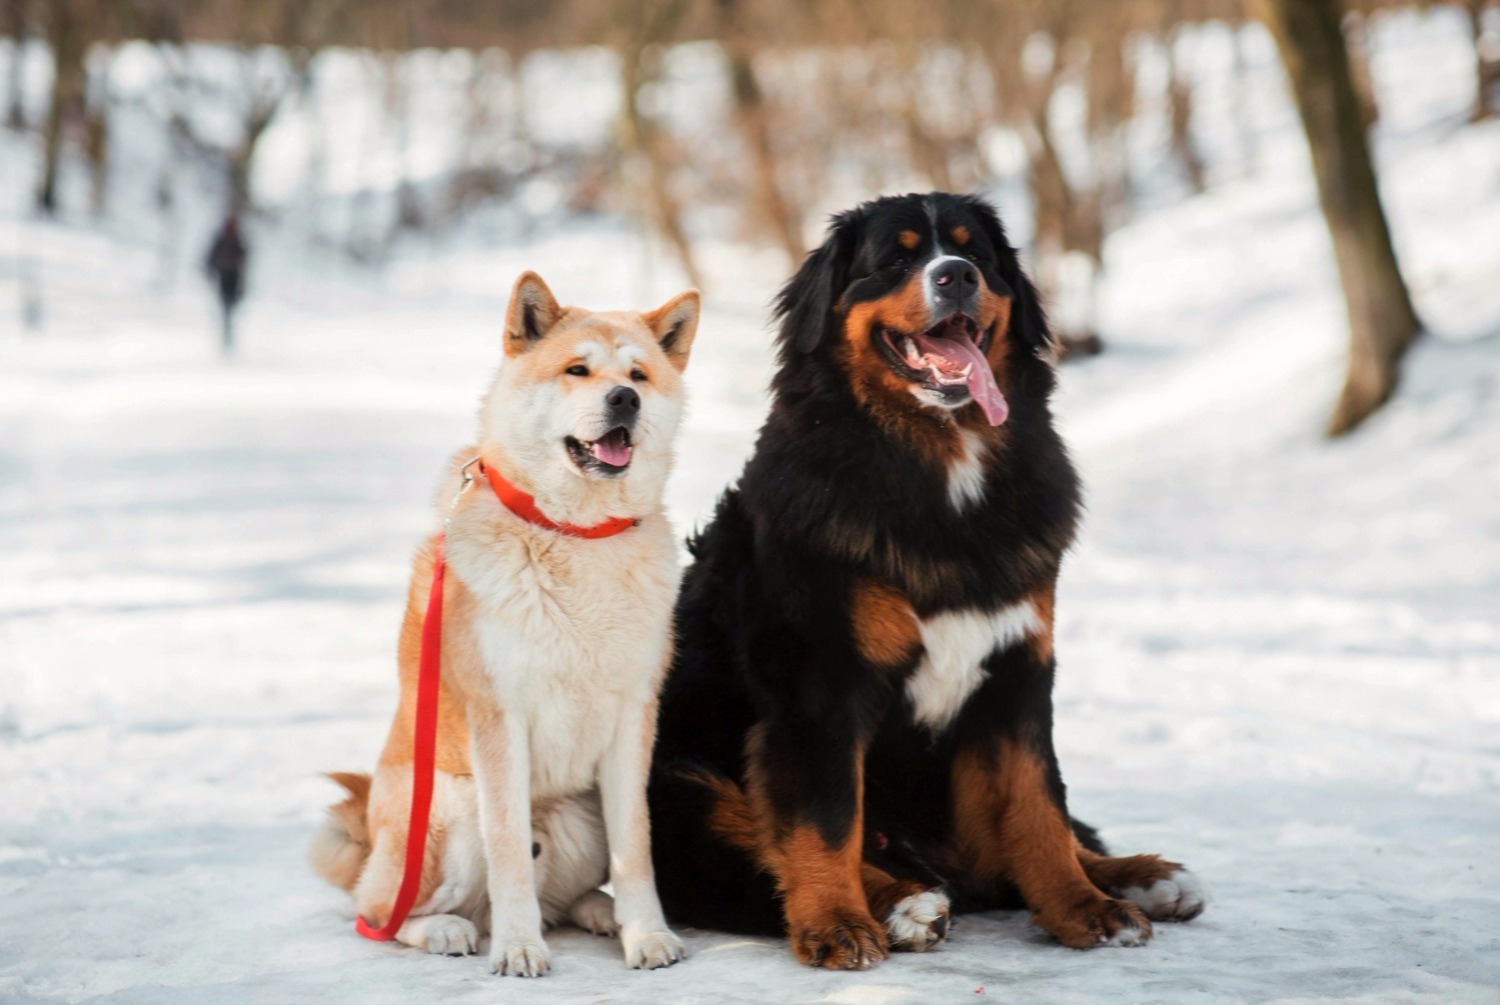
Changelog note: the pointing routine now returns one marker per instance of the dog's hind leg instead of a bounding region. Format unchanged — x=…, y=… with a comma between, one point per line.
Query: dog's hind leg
x=915, y=915
x=443, y=934
x=595, y=912
x=452, y=878
x=572, y=862
x=1164, y=890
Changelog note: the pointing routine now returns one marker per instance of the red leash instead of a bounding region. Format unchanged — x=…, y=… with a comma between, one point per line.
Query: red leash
x=429, y=671
x=423, y=759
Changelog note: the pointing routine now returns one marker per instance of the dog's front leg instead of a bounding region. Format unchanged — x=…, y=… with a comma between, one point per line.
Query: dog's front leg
x=502, y=769
x=806, y=779
x=622, y=786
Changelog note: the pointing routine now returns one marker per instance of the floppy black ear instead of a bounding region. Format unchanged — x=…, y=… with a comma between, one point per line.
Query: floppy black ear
x=806, y=303
x=1028, y=321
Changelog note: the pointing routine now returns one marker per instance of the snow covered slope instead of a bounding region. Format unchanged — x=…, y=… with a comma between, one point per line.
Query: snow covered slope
x=1280, y=657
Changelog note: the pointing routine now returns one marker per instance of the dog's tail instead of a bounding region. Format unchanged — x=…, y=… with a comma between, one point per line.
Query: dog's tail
x=341, y=845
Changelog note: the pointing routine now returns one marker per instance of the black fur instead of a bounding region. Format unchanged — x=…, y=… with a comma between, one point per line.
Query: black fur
x=830, y=497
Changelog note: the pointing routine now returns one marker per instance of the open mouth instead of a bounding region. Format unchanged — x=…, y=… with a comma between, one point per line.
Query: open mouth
x=948, y=360
x=608, y=455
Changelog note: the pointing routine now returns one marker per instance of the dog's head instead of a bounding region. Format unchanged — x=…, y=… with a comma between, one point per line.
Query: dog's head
x=921, y=301
x=587, y=403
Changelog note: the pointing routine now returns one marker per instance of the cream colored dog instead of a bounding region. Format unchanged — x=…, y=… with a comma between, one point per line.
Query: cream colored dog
x=554, y=647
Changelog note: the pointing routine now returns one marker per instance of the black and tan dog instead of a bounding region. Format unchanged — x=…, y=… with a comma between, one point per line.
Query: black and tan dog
x=858, y=725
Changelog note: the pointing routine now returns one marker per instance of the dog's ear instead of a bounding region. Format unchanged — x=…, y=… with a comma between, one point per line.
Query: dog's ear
x=532, y=313
x=807, y=302
x=1028, y=322
x=674, y=324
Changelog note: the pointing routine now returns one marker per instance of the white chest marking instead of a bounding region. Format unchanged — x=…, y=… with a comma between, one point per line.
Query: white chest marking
x=966, y=474
x=956, y=643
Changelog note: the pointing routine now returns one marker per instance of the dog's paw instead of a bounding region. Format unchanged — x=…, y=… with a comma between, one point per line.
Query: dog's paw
x=918, y=922
x=1182, y=896
x=450, y=935
x=519, y=957
x=653, y=950
x=595, y=912
x=1100, y=922
x=842, y=941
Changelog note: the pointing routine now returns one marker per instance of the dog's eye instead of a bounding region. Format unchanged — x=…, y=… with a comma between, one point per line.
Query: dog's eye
x=578, y=370
x=900, y=262
x=638, y=374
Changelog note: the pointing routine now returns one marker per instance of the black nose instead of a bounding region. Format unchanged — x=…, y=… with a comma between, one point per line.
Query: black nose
x=955, y=273
x=623, y=399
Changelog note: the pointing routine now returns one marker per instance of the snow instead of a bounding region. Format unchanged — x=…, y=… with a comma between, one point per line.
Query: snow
x=1279, y=656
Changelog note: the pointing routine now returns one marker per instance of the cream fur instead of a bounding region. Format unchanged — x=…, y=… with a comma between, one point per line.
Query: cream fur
x=555, y=647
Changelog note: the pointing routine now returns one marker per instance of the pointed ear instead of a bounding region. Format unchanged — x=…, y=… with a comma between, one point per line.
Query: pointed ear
x=674, y=324
x=532, y=313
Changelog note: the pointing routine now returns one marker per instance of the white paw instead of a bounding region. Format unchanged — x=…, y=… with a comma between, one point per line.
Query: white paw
x=918, y=922
x=595, y=912
x=519, y=957
x=1180, y=897
x=652, y=950
x=451, y=935
x=1128, y=935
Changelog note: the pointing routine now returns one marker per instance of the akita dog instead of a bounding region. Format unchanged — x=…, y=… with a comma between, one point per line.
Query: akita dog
x=561, y=577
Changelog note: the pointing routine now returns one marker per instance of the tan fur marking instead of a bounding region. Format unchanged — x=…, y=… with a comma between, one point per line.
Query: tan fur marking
x=878, y=388
x=827, y=917
x=1116, y=874
x=909, y=239
x=888, y=396
x=1009, y=828
x=961, y=235
x=994, y=315
x=883, y=891
x=1043, y=602
x=452, y=753
x=884, y=625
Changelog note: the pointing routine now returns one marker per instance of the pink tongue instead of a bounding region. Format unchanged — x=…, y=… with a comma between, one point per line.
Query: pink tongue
x=982, y=387
x=611, y=450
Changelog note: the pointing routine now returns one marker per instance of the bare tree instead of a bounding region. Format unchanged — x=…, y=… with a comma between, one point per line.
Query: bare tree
x=652, y=24
x=17, y=27
x=66, y=32
x=752, y=116
x=1382, y=322
x=1486, y=63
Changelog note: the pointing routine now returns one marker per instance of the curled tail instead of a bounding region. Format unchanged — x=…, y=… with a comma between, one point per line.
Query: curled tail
x=342, y=843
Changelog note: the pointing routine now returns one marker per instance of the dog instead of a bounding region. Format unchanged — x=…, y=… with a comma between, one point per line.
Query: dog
x=555, y=642
x=856, y=734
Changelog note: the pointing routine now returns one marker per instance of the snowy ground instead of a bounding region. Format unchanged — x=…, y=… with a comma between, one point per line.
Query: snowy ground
x=1280, y=657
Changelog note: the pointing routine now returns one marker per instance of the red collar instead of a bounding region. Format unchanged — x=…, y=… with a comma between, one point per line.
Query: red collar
x=524, y=506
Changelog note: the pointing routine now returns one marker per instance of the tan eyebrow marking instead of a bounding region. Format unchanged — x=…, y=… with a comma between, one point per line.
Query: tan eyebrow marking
x=909, y=239
x=961, y=235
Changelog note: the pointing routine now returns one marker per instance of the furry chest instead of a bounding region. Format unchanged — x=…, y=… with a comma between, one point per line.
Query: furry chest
x=569, y=695
x=955, y=645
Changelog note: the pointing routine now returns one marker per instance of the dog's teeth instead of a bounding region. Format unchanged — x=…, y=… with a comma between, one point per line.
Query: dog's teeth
x=968, y=369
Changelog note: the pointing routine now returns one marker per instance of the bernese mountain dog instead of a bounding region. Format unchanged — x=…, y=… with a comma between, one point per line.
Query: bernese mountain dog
x=856, y=734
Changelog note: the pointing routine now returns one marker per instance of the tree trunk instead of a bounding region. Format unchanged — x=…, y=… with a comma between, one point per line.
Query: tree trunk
x=96, y=133
x=15, y=27
x=654, y=25
x=753, y=118
x=65, y=36
x=1357, y=41
x=1180, y=114
x=1486, y=65
x=1382, y=322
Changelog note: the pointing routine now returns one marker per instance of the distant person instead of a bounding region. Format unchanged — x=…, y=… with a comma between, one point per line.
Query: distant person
x=226, y=261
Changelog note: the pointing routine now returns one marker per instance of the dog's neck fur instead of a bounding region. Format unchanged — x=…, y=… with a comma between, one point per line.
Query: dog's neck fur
x=563, y=493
